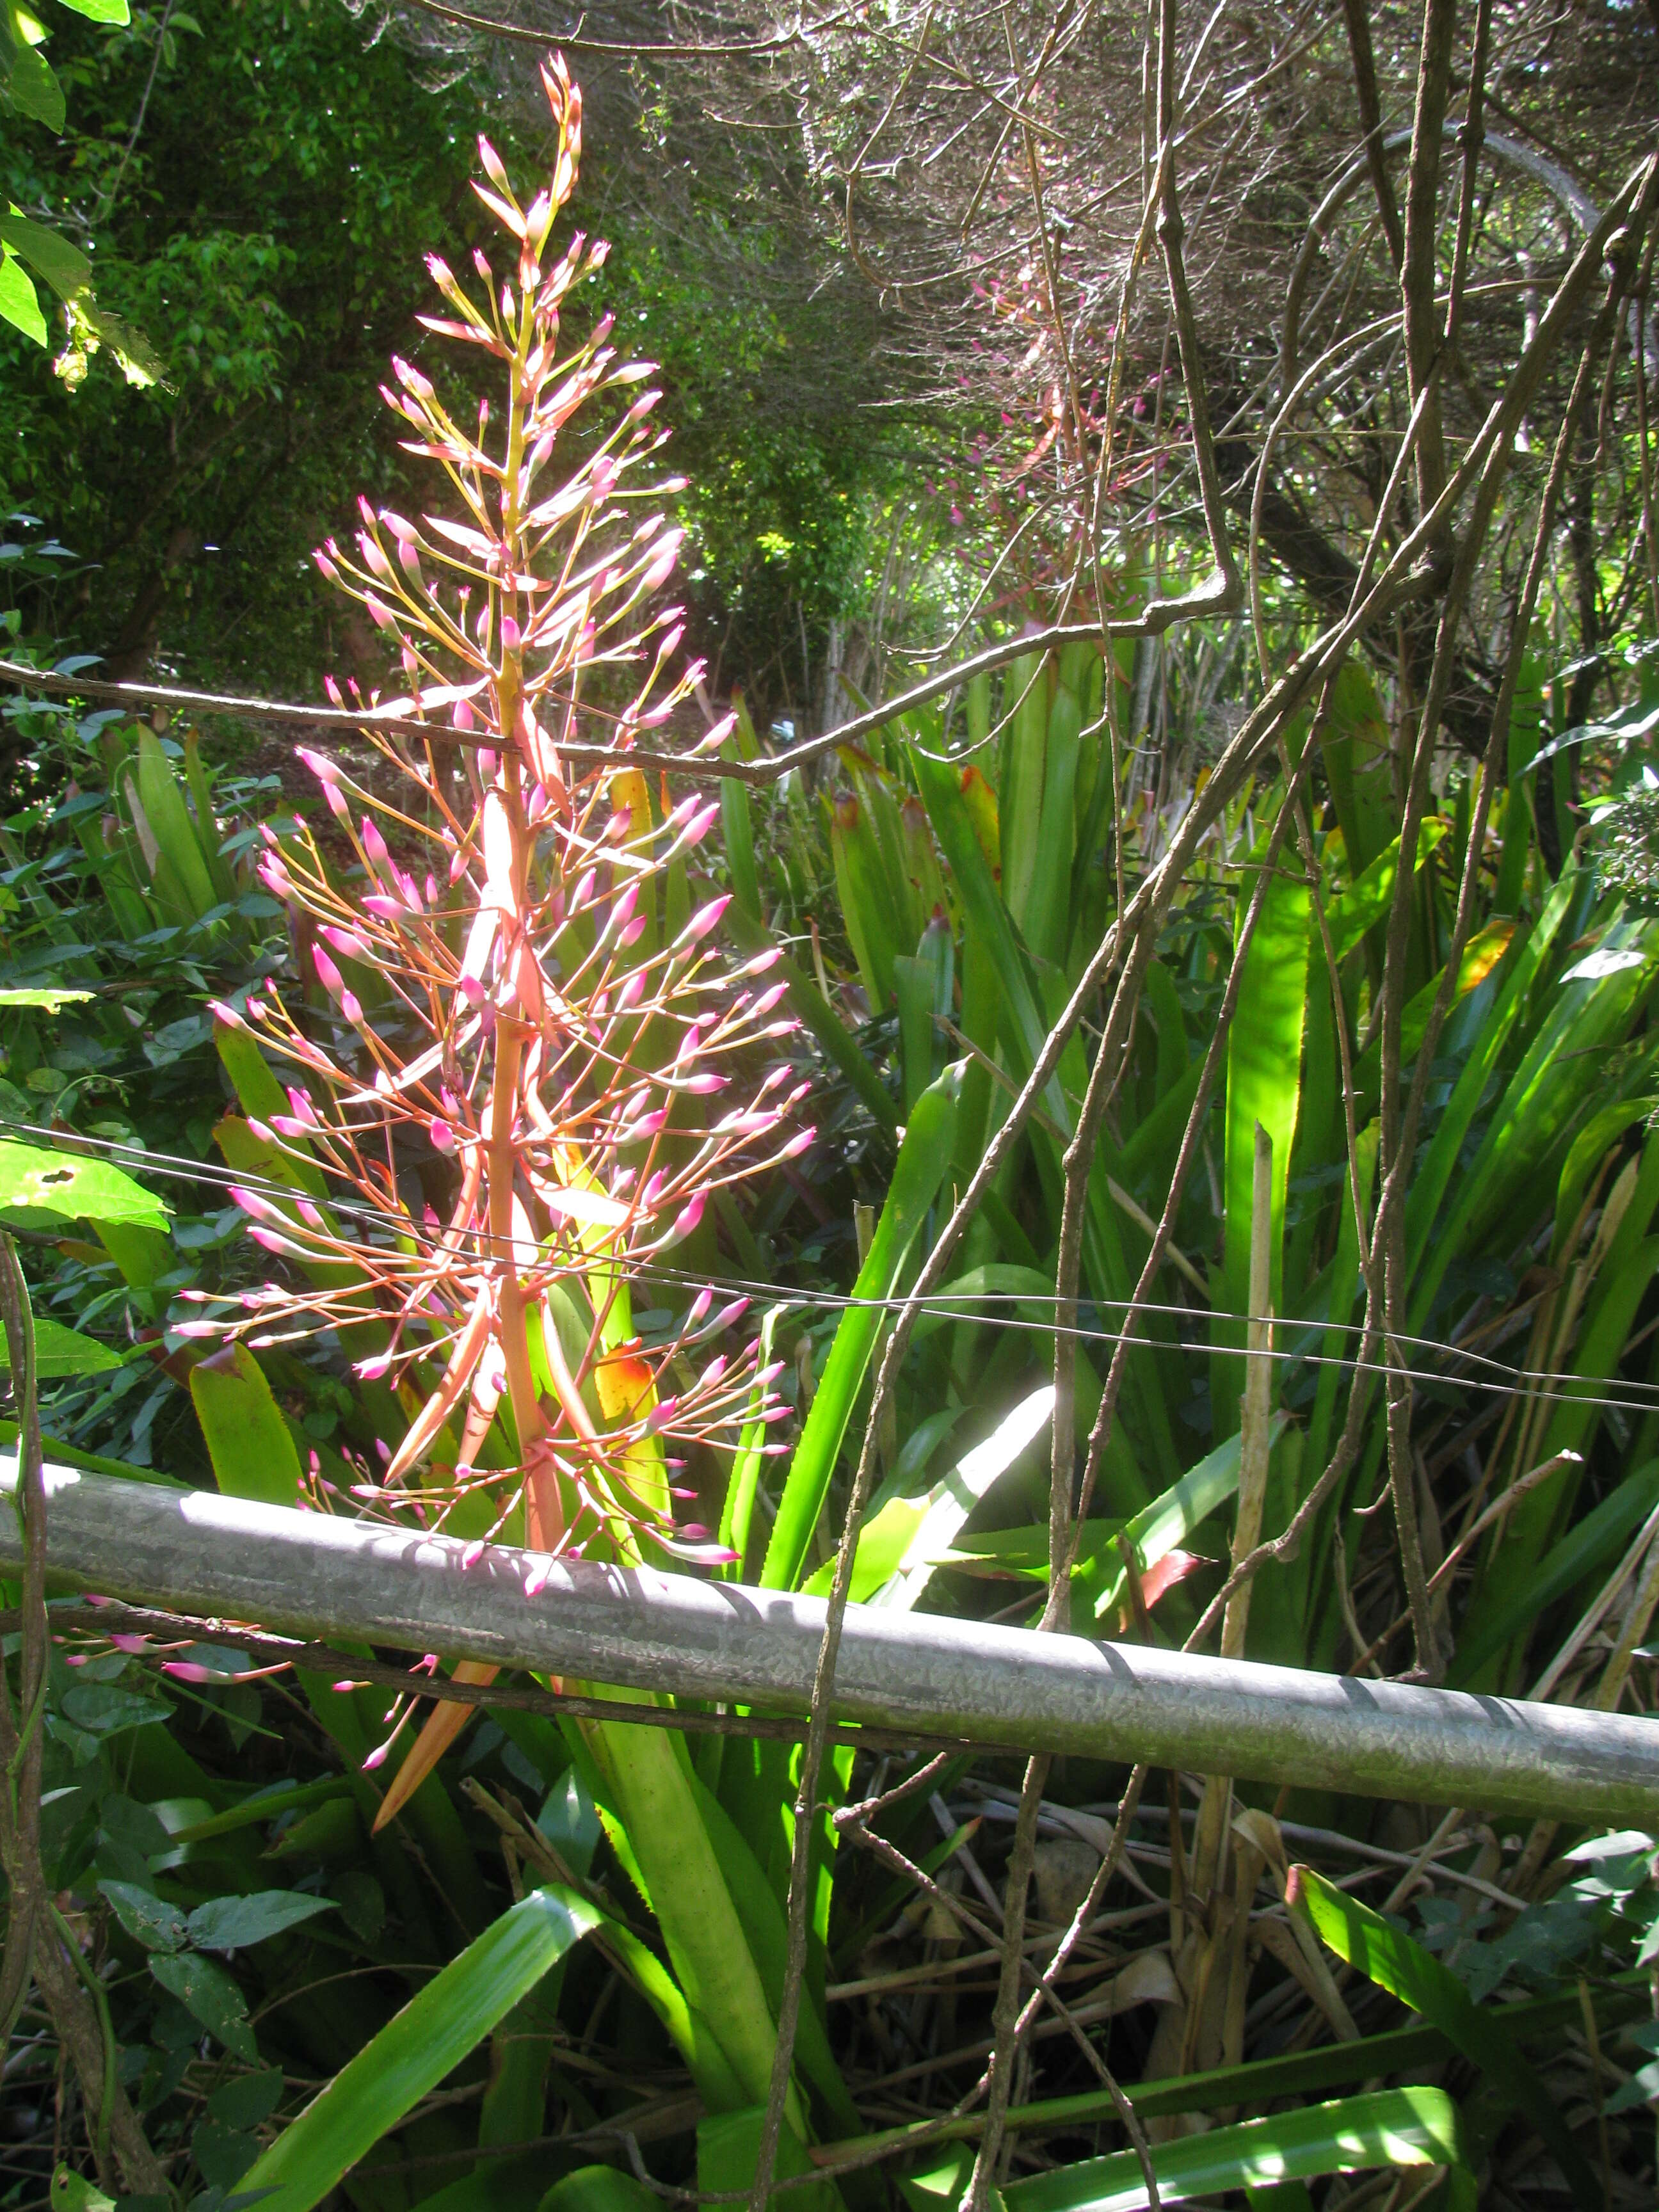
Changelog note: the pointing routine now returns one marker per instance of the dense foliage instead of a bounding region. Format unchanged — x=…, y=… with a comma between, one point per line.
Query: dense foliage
x=1168, y=1093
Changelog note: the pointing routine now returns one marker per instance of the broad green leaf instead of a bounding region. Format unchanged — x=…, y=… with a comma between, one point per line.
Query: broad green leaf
x=107, y=1710
x=209, y=1991
x=73, y=2192
x=48, y=996
x=248, y=1441
x=428, y=2038
x=139, y=361
x=149, y=1919
x=599, y=2188
x=49, y=253
x=1388, y=1957
x=60, y=1351
x=247, y=2100
x=923, y=1159
x=102, y=11
x=34, y=88
x=231, y=1923
x=1411, y=2128
x=72, y=1186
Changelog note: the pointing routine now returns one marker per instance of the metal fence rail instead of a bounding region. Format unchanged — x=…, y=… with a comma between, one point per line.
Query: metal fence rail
x=308, y=1575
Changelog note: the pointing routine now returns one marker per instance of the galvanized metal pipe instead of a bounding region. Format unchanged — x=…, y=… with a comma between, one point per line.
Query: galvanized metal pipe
x=308, y=1575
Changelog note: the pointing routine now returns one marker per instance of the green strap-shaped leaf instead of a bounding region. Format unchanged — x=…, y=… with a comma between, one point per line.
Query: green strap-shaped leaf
x=171, y=826
x=1264, y=1069
x=70, y=1186
x=1170, y=1518
x=248, y=1441
x=428, y=2038
x=923, y=1158
x=1388, y=1957
x=1390, y=2127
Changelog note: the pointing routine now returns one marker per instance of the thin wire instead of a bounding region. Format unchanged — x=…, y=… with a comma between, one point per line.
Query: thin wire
x=961, y=1305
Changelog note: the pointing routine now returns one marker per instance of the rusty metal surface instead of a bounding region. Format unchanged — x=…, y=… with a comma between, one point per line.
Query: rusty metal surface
x=305, y=1574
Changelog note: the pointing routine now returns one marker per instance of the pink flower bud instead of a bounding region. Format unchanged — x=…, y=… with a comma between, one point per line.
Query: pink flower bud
x=374, y=560
x=375, y=845
x=701, y=922
x=346, y=942
x=320, y=766
x=411, y=379
x=374, y=1368
x=351, y=1008
x=512, y=636
x=690, y=1216
x=442, y=1136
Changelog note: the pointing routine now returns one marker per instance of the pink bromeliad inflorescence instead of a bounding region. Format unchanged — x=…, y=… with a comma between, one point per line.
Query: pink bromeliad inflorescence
x=518, y=1006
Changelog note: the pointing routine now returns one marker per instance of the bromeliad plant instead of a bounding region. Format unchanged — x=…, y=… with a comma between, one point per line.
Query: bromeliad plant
x=531, y=1068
